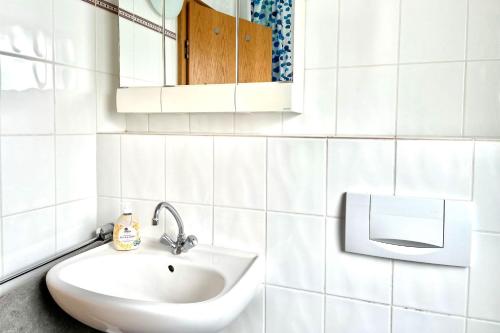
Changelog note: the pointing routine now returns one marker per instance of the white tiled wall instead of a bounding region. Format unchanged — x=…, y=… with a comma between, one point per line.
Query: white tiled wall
x=283, y=199
x=401, y=97
x=382, y=68
x=57, y=87
x=404, y=73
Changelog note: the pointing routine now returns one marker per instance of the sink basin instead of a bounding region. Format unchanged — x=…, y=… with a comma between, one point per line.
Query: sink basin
x=151, y=290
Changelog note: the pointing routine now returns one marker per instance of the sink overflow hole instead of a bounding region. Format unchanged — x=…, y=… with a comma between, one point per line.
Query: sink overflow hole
x=171, y=268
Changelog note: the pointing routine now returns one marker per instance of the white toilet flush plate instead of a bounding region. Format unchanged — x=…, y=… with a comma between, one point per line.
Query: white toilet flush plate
x=415, y=229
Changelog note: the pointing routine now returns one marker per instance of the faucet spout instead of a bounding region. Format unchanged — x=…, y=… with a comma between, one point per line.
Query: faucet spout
x=183, y=243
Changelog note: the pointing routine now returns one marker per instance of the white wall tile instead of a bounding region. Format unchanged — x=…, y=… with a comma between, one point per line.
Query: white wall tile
x=484, y=29
x=293, y=311
x=240, y=229
x=28, y=238
x=319, y=105
x=26, y=96
x=354, y=275
x=482, y=106
x=240, y=172
x=484, y=294
x=28, y=173
x=75, y=167
x=431, y=99
x=189, y=169
x=75, y=100
x=107, y=43
x=350, y=316
x=75, y=223
x=268, y=123
x=296, y=251
x=108, y=119
x=137, y=122
x=143, y=167
x=368, y=32
x=251, y=320
x=74, y=35
x=367, y=100
x=108, y=210
x=197, y=221
x=169, y=122
x=321, y=33
x=430, y=287
x=296, y=175
x=212, y=123
x=409, y=321
x=108, y=165
x=437, y=169
x=26, y=28
x=362, y=166
x=477, y=326
x=433, y=30
x=487, y=172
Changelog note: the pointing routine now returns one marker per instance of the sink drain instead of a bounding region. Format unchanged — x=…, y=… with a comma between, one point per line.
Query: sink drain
x=171, y=268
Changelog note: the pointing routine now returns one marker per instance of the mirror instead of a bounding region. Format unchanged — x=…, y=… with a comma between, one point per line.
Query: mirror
x=265, y=39
x=193, y=42
x=141, y=43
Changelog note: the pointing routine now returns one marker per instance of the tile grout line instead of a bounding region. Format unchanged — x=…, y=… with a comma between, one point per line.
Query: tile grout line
x=54, y=106
x=466, y=66
x=334, y=137
x=164, y=177
x=97, y=95
x=325, y=238
x=120, y=169
x=337, y=71
x=213, y=190
x=421, y=310
x=1, y=188
x=406, y=63
x=398, y=68
x=267, y=230
x=391, y=313
x=55, y=205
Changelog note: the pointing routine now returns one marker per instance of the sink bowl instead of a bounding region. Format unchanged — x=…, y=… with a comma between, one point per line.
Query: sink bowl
x=151, y=290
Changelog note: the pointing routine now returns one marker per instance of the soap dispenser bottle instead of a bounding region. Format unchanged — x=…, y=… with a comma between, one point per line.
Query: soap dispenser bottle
x=126, y=233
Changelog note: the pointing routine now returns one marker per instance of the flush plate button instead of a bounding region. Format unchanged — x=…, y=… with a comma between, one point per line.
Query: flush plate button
x=412, y=222
x=414, y=229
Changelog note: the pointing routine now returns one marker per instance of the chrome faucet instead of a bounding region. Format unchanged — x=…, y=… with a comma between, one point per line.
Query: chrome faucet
x=183, y=243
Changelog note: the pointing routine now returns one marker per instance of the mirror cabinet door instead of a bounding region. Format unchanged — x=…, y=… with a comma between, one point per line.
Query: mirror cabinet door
x=192, y=42
x=141, y=43
x=207, y=42
x=265, y=40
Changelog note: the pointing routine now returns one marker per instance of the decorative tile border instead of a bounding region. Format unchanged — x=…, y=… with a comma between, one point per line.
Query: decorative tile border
x=112, y=8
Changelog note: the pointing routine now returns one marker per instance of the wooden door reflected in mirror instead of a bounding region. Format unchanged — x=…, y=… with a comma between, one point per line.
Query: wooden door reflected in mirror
x=207, y=43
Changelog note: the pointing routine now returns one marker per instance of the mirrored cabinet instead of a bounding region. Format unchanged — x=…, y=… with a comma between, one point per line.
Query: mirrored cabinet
x=192, y=56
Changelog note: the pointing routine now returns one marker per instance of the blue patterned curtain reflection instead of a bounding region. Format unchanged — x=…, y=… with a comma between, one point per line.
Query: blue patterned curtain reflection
x=277, y=14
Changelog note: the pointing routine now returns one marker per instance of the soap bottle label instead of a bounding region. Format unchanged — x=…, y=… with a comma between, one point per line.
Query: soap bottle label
x=126, y=234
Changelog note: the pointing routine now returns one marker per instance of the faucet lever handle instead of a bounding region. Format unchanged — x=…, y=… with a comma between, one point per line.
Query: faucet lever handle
x=165, y=239
x=190, y=242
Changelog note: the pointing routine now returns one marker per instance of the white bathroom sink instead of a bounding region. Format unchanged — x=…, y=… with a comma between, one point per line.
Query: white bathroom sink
x=151, y=290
